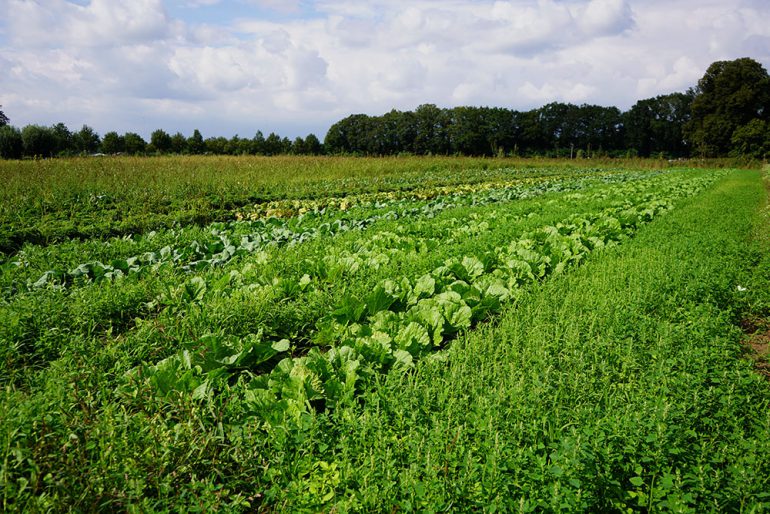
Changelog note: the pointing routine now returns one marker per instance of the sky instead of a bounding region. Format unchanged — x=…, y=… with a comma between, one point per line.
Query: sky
x=294, y=67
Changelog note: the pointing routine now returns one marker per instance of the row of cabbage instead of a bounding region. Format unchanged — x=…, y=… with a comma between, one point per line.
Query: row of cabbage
x=241, y=238
x=266, y=291
x=296, y=207
x=401, y=320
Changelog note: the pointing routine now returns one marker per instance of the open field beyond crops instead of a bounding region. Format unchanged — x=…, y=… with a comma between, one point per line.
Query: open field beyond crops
x=383, y=335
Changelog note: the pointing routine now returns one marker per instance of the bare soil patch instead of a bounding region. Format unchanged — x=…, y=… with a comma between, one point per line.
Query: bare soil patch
x=757, y=344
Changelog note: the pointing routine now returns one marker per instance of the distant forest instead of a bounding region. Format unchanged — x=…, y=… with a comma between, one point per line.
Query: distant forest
x=726, y=114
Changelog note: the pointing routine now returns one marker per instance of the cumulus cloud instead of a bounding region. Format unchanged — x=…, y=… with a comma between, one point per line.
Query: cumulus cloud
x=58, y=23
x=135, y=65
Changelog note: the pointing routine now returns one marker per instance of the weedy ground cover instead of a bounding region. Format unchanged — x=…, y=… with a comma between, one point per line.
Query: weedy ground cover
x=49, y=201
x=497, y=344
x=619, y=386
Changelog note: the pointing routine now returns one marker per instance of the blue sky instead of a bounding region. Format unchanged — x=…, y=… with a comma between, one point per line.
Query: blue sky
x=296, y=66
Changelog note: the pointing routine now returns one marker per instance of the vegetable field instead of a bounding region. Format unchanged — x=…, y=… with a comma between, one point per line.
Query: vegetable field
x=382, y=335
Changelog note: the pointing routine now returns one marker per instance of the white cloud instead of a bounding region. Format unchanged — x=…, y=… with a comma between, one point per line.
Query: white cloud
x=606, y=17
x=132, y=65
x=58, y=23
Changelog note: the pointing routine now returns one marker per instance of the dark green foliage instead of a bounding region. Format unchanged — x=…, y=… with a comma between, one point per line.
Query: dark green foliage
x=113, y=143
x=3, y=119
x=430, y=129
x=298, y=146
x=86, y=140
x=195, y=143
x=556, y=129
x=273, y=145
x=216, y=145
x=656, y=125
x=730, y=95
x=65, y=143
x=39, y=141
x=161, y=141
x=258, y=143
x=313, y=145
x=11, y=143
x=178, y=144
x=751, y=140
x=134, y=143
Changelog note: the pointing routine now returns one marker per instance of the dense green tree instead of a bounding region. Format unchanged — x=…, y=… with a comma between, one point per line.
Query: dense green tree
x=11, y=144
x=285, y=145
x=3, y=118
x=39, y=141
x=564, y=129
x=239, y=146
x=559, y=123
x=273, y=144
x=357, y=134
x=313, y=145
x=161, y=141
x=751, y=140
x=467, y=131
x=599, y=128
x=113, y=143
x=656, y=125
x=532, y=133
x=216, y=145
x=394, y=132
x=178, y=143
x=298, y=146
x=431, y=135
x=195, y=144
x=258, y=143
x=65, y=143
x=134, y=143
x=503, y=130
x=730, y=95
x=86, y=140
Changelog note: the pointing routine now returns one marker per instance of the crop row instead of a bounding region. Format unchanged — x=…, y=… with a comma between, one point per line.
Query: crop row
x=264, y=291
x=155, y=314
x=49, y=202
x=399, y=321
x=240, y=238
x=509, y=187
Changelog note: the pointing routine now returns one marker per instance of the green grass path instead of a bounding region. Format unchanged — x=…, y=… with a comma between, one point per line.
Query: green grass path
x=620, y=385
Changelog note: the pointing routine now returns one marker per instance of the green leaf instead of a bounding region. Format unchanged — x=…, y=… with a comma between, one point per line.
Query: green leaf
x=637, y=481
x=403, y=359
x=413, y=338
x=349, y=310
x=223, y=283
x=428, y=314
x=194, y=289
x=281, y=346
x=378, y=300
x=473, y=267
x=458, y=316
x=424, y=287
x=460, y=287
x=203, y=391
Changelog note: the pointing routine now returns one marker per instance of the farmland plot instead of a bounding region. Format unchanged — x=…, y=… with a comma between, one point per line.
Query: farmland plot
x=255, y=363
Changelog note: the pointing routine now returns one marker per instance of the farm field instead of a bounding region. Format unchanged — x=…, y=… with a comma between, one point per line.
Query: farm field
x=379, y=335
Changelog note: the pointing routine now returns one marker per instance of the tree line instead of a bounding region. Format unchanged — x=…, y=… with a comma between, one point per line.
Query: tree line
x=58, y=140
x=726, y=114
